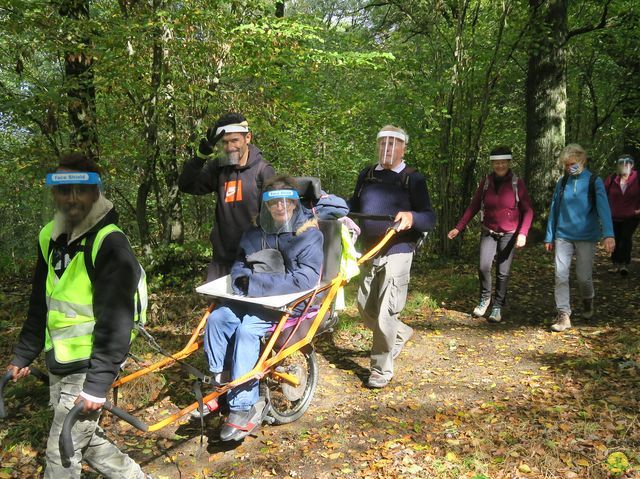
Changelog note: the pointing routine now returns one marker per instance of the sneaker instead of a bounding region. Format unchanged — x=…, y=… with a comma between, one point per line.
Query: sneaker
x=563, y=322
x=481, y=309
x=587, y=308
x=240, y=424
x=495, y=316
x=623, y=270
x=377, y=381
x=397, y=347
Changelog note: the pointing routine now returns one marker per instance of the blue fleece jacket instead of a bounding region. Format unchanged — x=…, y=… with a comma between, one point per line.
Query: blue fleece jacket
x=301, y=251
x=574, y=218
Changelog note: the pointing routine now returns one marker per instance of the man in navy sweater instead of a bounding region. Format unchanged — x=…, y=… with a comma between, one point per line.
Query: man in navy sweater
x=390, y=188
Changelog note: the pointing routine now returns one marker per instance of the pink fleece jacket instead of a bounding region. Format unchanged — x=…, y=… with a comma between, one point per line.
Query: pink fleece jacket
x=501, y=214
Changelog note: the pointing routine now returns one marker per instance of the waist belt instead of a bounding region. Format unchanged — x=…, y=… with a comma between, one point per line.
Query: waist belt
x=495, y=233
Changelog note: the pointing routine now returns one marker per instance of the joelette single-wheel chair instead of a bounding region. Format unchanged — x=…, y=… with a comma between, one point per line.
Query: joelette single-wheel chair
x=287, y=366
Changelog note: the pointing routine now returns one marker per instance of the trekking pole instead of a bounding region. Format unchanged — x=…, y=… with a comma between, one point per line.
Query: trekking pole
x=66, y=441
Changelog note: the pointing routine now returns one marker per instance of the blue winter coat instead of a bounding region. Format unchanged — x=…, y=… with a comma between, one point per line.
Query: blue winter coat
x=576, y=219
x=301, y=251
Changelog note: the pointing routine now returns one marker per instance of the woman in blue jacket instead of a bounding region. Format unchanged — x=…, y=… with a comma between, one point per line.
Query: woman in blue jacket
x=282, y=254
x=579, y=218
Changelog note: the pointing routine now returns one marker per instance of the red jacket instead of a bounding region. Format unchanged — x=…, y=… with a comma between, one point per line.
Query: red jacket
x=623, y=206
x=501, y=214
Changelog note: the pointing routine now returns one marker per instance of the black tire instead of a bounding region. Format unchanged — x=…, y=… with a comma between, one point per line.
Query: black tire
x=286, y=403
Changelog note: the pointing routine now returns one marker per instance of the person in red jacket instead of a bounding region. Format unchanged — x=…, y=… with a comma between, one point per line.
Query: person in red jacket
x=623, y=192
x=506, y=216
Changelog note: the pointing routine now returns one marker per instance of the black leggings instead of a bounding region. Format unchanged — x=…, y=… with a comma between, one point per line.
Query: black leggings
x=502, y=249
x=623, y=231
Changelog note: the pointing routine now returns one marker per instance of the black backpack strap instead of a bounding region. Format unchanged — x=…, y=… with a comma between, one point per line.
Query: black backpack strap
x=405, y=177
x=368, y=178
x=88, y=257
x=592, y=191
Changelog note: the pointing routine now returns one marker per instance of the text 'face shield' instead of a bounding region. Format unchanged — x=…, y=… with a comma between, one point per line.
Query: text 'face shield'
x=390, y=146
x=74, y=193
x=279, y=210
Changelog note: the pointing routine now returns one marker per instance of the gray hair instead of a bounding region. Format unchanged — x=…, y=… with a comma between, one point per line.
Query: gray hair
x=575, y=151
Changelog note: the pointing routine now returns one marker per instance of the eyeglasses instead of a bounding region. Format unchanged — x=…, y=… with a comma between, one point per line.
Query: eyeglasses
x=281, y=202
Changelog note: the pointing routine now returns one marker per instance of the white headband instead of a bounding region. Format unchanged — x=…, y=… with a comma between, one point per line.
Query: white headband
x=393, y=134
x=500, y=157
x=234, y=128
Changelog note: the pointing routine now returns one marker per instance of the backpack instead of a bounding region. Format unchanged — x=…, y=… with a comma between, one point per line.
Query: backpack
x=514, y=186
x=404, y=181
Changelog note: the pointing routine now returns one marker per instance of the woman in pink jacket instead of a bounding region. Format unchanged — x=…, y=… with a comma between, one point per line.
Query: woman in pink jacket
x=623, y=191
x=506, y=215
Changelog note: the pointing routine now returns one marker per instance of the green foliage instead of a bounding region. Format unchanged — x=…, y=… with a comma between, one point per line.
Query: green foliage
x=315, y=85
x=174, y=265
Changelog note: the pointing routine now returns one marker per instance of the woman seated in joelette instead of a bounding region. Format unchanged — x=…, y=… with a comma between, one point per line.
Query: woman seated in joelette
x=282, y=254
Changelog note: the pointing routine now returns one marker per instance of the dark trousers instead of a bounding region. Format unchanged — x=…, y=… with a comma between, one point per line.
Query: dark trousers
x=623, y=231
x=500, y=247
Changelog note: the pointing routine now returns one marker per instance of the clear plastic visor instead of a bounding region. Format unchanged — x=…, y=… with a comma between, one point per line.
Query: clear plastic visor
x=388, y=148
x=231, y=148
x=625, y=166
x=72, y=194
x=279, y=210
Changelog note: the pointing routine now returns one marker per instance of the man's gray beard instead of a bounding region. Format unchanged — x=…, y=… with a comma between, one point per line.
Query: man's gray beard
x=232, y=158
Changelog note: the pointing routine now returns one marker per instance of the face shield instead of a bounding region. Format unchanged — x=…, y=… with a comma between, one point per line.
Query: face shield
x=233, y=144
x=390, y=144
x=279, y=210
x=625, y=165
x=74, y=193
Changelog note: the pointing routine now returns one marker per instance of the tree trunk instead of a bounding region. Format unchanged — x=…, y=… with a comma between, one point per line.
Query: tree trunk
x=546, y=98
x=78, y=63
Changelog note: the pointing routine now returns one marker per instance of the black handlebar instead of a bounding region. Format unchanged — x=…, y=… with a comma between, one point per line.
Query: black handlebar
x=364, y=216
x=66, y=441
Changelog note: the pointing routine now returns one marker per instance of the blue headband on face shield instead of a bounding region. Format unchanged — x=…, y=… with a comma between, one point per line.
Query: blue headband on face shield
x=73, y=178
x=280, y=194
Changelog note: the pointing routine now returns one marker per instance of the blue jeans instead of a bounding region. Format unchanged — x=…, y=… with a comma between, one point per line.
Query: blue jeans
x=237, y=334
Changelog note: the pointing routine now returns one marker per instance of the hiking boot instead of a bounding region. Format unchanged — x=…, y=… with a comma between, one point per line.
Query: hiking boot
x=624, y=271
x=563, y=322
x=481, y=309
x=397, y=347
x=240, y=424
x=495, y=316
x=587, y=308
x=377, y=381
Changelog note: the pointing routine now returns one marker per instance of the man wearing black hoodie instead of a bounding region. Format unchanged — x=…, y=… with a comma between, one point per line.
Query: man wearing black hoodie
x=82, y=314
x=236, y=174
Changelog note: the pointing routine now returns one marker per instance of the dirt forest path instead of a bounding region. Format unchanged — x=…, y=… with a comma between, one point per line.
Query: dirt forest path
x=469, y=399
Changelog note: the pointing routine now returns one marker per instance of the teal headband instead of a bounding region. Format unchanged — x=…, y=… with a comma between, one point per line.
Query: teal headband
x=278, y=194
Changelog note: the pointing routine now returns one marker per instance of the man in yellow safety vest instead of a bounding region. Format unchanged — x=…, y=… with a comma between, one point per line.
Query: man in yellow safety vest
x=88, y=293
